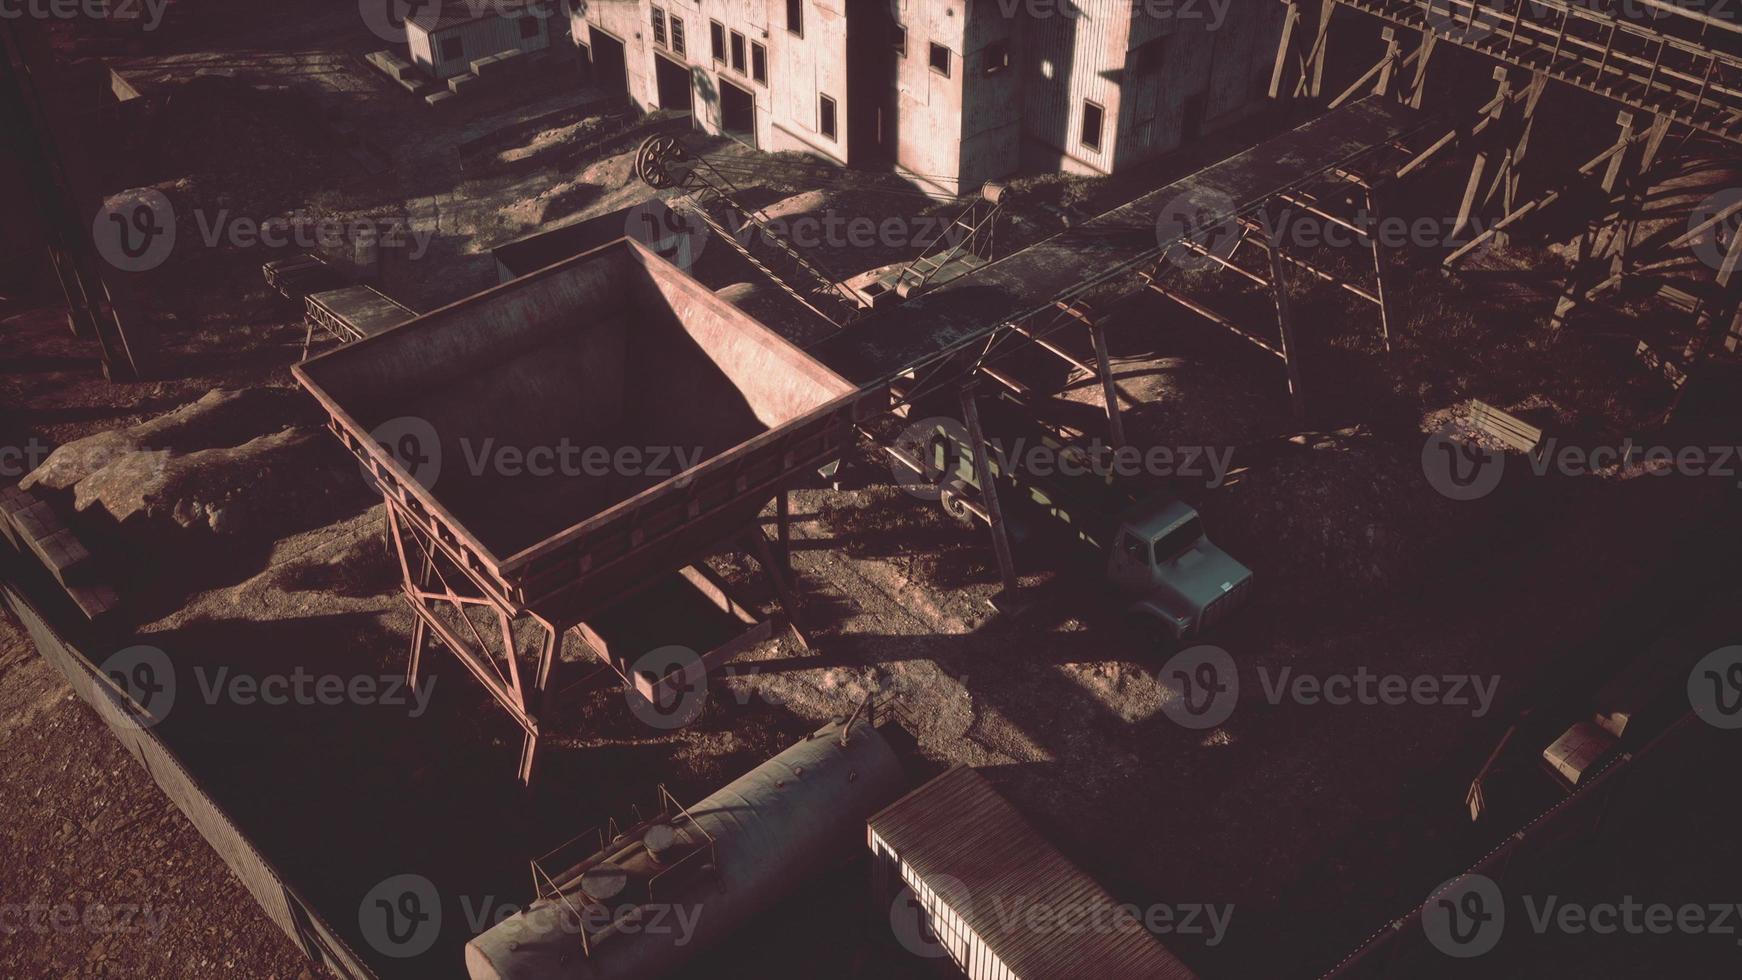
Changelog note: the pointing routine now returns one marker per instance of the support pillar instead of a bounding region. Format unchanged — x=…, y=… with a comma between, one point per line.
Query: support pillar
x=989, y=492
x=1285, y=326
x=1417, y=89
x=1308, y=69
x=1578, y=281
x=1109, y=393
x=783, y=528
x=1381, y=268
x=1479, y=166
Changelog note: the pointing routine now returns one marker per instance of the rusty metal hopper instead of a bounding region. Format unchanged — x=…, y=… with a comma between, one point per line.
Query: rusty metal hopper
x=614, y=349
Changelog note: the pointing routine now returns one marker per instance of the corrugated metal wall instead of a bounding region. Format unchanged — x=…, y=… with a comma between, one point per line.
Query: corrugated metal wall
x=482, y=38
x=1156, y=75
x=969, y=951
x=1073, y=60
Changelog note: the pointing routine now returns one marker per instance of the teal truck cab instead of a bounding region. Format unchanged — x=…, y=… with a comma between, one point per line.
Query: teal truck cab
x=1174, y=580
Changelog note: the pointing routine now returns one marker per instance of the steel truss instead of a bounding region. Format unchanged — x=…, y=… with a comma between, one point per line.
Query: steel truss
x=1262, y=233
x=514, y=651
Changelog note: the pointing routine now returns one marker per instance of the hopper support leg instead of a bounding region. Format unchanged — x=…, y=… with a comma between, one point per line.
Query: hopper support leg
x=448, y=606
x=771, y=567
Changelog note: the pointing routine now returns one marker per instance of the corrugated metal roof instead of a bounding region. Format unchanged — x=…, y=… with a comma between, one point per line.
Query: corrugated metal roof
x=957, y=826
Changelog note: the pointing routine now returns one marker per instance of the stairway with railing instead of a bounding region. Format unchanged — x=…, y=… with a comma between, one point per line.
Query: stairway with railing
x=717, y=202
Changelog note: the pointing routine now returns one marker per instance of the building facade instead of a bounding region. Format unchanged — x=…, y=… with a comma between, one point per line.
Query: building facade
x=949, y=93
x=772, y=73
x=445, y=38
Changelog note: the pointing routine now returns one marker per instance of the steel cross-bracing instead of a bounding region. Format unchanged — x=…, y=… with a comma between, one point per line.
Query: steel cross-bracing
x=515, y=651
x=958, y=334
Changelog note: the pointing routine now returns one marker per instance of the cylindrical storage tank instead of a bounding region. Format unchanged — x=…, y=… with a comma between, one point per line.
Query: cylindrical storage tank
x=773, y=827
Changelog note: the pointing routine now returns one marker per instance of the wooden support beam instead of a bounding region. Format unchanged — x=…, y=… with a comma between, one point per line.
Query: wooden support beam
x=1381, y=71
x=989, y=492
x=1484, y=154
x=1321, y=48
x=1285, y=47
x=1389, y=64
x=1720, y=319
x=1418, y=83
x=1299, y=70
x=1511, y=174
x=1529, y=207
x=1579, y=277
x=1633, y=206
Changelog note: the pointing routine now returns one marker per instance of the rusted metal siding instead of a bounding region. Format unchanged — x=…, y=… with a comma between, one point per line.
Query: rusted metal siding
x=1073, y=60
x=1192, y=73
x=970, y=858
x=799, y=69
x=1156, y=77
x=809, y=67
x=991, y=130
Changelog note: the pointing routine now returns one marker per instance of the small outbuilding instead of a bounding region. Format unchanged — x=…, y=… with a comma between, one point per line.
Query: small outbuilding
x=975, y=873
x=446, y=38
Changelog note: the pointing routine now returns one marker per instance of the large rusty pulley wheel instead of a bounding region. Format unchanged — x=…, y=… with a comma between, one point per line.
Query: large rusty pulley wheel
x=654, y=159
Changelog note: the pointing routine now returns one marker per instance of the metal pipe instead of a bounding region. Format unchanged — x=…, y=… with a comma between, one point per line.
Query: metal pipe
x=772, y=829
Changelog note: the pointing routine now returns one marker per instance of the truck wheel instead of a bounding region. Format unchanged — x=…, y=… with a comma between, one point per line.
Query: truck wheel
x=1152, y=636
x=954, y=506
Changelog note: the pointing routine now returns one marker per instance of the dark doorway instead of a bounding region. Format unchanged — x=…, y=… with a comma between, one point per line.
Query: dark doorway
x=673, y=81
x=737, y=112
x=610, y=65
x=873, y=120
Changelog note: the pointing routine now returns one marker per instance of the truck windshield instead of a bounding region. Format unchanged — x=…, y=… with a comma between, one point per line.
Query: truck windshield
x=1169, y=545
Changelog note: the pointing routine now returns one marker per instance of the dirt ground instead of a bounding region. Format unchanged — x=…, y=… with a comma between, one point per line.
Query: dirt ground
x=1316, y=823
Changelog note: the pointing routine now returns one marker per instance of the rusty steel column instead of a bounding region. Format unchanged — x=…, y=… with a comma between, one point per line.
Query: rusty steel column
x=989, y=489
